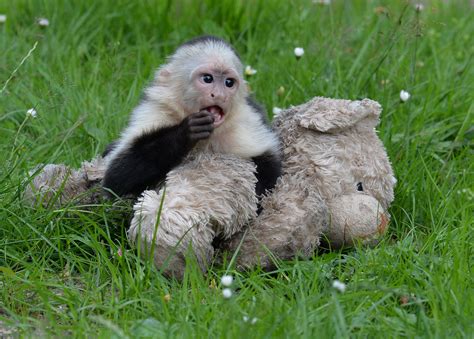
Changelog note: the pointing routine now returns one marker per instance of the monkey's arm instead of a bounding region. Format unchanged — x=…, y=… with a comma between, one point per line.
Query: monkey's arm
x=152, y=155
x=268, y=170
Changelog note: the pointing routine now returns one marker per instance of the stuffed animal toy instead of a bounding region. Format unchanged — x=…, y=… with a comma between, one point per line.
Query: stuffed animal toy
x=336, y=187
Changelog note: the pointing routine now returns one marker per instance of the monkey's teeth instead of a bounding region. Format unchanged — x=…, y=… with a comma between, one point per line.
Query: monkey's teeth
x=217, y=113
x=217, y=118
x=216, y=110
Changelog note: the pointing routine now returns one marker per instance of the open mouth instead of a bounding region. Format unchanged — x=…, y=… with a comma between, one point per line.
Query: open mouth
x=217, y=113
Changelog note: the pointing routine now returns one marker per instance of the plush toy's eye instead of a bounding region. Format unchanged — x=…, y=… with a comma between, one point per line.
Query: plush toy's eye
x=229, y=82
x=359, y=187
x=207, y=78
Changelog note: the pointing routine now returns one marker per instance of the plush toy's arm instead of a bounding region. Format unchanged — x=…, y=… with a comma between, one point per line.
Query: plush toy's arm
x=59, y=185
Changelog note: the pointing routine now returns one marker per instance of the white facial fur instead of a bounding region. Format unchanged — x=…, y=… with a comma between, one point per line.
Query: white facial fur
x=186, y=68
x=208, y=84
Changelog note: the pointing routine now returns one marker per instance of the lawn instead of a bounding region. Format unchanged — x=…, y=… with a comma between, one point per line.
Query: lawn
x=60, y=272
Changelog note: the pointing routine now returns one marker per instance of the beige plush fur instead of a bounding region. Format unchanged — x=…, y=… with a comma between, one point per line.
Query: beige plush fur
x=290, y=224
x=330, y=148
x=57, y=185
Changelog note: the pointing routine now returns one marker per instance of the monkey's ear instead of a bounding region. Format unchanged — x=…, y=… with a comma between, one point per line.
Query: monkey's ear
x=162, y=75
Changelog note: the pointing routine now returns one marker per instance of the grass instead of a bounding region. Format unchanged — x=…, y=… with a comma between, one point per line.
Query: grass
x=59, y=269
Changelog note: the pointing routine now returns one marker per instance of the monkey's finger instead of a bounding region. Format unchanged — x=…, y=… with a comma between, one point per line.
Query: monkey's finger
x=200, y=114
x=204, y=111
x=208, y=120
x=200, y=136
x=201, y=128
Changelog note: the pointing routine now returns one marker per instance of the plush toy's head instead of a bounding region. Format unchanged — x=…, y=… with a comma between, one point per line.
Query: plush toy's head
x=334, y=143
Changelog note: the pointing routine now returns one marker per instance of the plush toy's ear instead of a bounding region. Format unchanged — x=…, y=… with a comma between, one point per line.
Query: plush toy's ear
x=332, y=115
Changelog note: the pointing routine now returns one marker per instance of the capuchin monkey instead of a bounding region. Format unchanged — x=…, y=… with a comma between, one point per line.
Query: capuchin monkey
x=198, y=100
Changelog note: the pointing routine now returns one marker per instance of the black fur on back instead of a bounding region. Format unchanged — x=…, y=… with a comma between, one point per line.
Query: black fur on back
x=269, y=169
x=109, y=148
x=257, y=107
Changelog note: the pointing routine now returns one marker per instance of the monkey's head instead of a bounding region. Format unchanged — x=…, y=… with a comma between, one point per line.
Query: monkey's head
x=205, y=74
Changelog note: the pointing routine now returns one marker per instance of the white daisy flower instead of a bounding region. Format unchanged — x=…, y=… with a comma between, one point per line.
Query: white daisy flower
x=32, y=113
x=419, y=7
x=276, y=111
x=227, y=280
x=227, y=293
x=299, y=51
x=43, y=22
x=339, y=286
x=3, y=18
x=322, y=2
x=404, y=95
x=246, y=319
x=249, y=70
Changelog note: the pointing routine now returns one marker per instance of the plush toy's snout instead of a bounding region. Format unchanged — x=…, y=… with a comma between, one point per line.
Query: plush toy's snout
x=355, y=218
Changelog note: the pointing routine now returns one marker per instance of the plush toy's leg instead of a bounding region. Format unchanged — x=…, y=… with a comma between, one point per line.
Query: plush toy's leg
x=290, y=225
x=209, y=195
x=174, y=233
x=58, y=184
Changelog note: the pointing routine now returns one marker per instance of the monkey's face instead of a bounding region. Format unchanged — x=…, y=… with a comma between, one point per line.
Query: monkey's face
x=213, y=88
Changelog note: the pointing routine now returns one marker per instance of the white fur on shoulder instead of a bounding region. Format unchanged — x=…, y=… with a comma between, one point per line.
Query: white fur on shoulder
x=147, y=116
x=244, y=134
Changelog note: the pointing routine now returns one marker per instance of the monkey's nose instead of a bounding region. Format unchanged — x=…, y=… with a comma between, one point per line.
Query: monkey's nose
x=218, y=96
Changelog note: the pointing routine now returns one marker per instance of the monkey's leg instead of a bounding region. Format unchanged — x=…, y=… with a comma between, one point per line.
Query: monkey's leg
x=290, y=225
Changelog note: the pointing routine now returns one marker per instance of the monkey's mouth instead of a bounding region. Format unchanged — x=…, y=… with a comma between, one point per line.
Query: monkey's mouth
x=217, y=113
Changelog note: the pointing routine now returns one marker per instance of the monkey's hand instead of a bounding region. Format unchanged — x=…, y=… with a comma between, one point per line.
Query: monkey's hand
x=198, y=126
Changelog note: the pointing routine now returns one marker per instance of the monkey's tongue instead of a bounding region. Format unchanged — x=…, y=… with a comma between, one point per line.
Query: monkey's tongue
x=217, y=113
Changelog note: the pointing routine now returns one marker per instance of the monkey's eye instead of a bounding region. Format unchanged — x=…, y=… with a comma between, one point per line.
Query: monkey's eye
x=360, y=188
x=207, y=78
x=229, y=82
